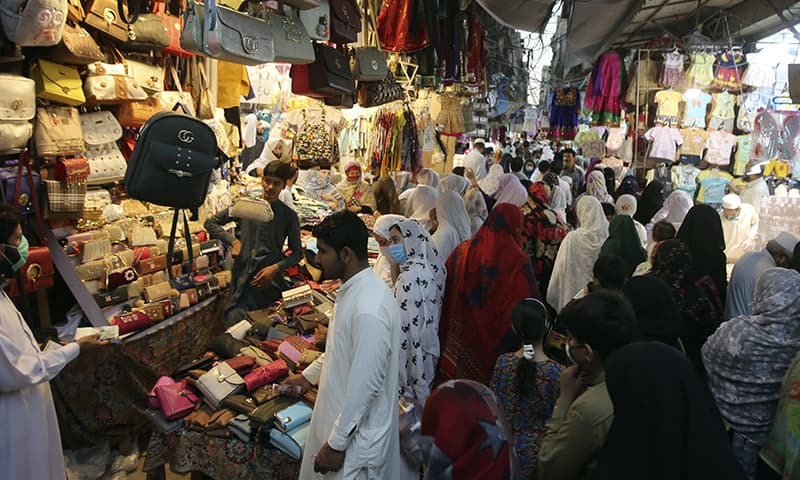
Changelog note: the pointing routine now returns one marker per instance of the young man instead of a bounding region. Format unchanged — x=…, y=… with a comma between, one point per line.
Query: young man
x=597, y=326
x=573, y=171
x=475, y=160
x=258, y=253
x=516, y=165
x=354, y=428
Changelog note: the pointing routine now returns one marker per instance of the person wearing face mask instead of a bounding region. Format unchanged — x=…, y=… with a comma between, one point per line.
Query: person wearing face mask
x=258, y=253
x=30, y=442
x=383, y=264
x=529, y=168
x=597, y=326
x=357, y=193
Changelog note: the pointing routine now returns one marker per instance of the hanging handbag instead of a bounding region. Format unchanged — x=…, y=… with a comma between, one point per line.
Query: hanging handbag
x=38, y=272
x=219, y=383
x=174, y=26
x=75, y=11
x=193, y=28
x=147, y=33
x=368, y=64
x=24, y=201
x=135, y=114
x=206, y=103
x=104, y=16
x=345, y=21
x=17, y=109
x=100, y=127
x=317, y=21
x=77, y=47
x=176, y=400
x=329, y=74
x=58, y=132
x=63, y=198
x=59, y=83
x=112, y=83
x=73, y=170
x=291, y=41
x=106, y=164
x=236, y=37
x=150, y=77
x=373, y=94
x=33, y=23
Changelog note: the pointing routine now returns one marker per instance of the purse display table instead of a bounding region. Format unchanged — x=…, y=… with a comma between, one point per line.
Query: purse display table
x=100, y=396
x=219, y=458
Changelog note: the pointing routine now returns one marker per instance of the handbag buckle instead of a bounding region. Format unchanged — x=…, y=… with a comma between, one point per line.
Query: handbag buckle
x=33, y=272
x=250, y=43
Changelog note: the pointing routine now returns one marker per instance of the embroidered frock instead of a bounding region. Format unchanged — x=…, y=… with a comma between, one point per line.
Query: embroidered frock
x=673, y=70
x=564, y=108
x=604, y=93
x=730, y=68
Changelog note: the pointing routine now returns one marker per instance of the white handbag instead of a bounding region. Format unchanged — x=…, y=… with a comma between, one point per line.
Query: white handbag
x=168, y=99
x=100, y=127
x=253, y=209
x=106, y=164
x=17, y=109
x=34, y=23
x=317, y=21
x=149, y=77
x=112, y=90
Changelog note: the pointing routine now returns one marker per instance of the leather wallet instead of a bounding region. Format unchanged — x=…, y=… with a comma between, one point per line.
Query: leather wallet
x=219, y=383
x=152, y=264
x=290, y=418
x=265, y=375
x=265, y=413
x=240, y=427
x=201, y=363
x=292, y=442
x=114, y=297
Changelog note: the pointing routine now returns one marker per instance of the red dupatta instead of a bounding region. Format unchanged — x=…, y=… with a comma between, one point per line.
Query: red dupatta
x=486, y=277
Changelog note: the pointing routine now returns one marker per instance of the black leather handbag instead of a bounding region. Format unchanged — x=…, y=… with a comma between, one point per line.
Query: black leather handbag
x=330, y=74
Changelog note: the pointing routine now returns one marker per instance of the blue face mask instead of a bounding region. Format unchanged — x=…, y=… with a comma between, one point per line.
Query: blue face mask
x=398, y=253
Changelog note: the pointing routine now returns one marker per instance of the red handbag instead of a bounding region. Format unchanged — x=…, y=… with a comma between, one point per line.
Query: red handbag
x=345, y=21
x=174, y=26
x=38, y=272
x=301, y=83
x=265, y=375
x=152, y=400
x=73, y=170
x=394, y=27
x=271, y=346
x=177, y=400
x=241, y=363
x=132, y=322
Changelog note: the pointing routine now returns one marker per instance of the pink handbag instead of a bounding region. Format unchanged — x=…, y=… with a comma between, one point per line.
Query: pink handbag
x=152, y=400
x=265, y=375
x=177, y=400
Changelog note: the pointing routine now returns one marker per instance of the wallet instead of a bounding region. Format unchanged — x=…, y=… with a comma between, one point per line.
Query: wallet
x=267, y=374
x=240, y=404
x=157, y=292
x=241, y=363
x=240, y=427
x=292, y=417
x=152, y=264
x=219, y=383
x=292, y=442
x=114, y=297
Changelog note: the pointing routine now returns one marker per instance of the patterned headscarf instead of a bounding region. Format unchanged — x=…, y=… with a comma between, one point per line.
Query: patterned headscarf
x=596, y=187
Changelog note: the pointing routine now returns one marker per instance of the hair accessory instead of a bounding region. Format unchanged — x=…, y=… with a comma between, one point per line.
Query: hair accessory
x=528, y=351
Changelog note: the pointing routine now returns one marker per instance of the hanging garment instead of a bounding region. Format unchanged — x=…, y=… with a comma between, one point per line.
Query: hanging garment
x=742, y=157
x=694, y=142
x=564, y=107
x=712, y=184
x=701, y=72
x=684, y=177
x=719, y=147
x=760, y=70
x=665, y=142
x=730, y=68
x=750, y=105
x=673, y=75
x=668, y=106
x=696, y=107
x=604, y=92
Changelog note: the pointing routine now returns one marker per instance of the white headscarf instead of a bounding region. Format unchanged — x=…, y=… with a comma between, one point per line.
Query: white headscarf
x=674, y=210
x=578, y=252
x=455, y=183
x=429, y=177
x=454, y=223
x=420, y=203
x=268, y=156
x=476, y=207
x=491, y=182
x=627, y=205
x=558, y=202
x=511, y=191
x=382, y=265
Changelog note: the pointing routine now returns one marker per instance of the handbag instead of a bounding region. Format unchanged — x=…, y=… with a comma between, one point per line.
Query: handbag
x=225, y=345
x=176, y=400
x=106, y=164
x=17, y=108
x=291, y=42
x=296, y=296
x=152, y=400
x=100, y=128
x=132, y=322
x=118, y=272
x=33, y=23
x=150, y=77
x=205, y=98
x=77, y=47
x=148, y=32
x=59, y=83
x=157, y=292
x=241, y=404
x=236, y=37
x=292, y=442
x=219, y=383
x=329, y=74
x=241, y=363
x=292, y=417
x=253, y=209
x=112, y=83
x=23, y=201
x=265, y=375
x=65, y=198
x=272, y=403
x=368, y=64
x=239, y=331
x=103, y=16
x=136, y=114
x=152, y=265
x=91, y=270
x=240, y=427
x=174, y=27
x=95, y=249
x=58, y=132
x=170, y=99
x=345, y=21
x=259, y=355
x=373, y=94
x=317, y=21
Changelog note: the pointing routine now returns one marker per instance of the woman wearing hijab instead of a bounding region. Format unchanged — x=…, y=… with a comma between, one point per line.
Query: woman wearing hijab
x=526, y=383
x=782, y=450
x=383, y=264
x=596, y=187
x=557, y=199
x=420, y=204
x=542, y=234
x=626, y=205
x=696, y=295
x=476, y=208
x=386, y=198
x=455, y=183
x=510, y=191
x=275, y=150
x=674, y=211
x=624, y=242
x=318, y=187
x=747, y=358
x=658, y=317
x=578, y=252
x=486, y=277
x=430, y=178
x=651, y=202
x=469, y=436
x=357, y=193
x=629, y=186
x=491, y=182
x=419, y=295
x=665, y=426
x=611, y=181
x=452, y=223
x=701, y=232
x=529, y=168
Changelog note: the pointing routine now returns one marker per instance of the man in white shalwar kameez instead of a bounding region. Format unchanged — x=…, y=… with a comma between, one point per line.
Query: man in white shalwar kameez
x=354, y=428
x=30, y=442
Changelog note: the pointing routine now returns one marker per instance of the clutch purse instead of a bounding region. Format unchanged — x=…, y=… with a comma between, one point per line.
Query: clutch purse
x=131, y=322
x=95, y=250
x=266, y=375
x=241, y=363
x=259, y=355
x=239, y=331
x=291, y=418
x=296, y=296
x=152, y=400
x=157, y=292
x=118, y=272
x=91, y=270
x=219, y=383
x=176, y=400
x=292, y=442
x=252, y=209
x=152, y=265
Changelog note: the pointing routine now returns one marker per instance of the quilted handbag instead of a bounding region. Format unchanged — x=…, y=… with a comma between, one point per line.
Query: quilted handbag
x=147, y=33
x=291, y=41
x=102, y=15
x=59, y=83
x=106, y=164
x=176, y=400
x=265, y=375
x=174, y=26
x=219, y=383
x=17, y=109
x=58, y=132
x=317, y=21
x=236, y=37
x=292, y=442
x=135, y=114
x=132, y=322
x=34, y=23
x=150, y=77
x=345, y=21
x=329, y=74
x=152, y=400
x=64, y=198
x=77, y=47
x=373, y=94
x=368, y=64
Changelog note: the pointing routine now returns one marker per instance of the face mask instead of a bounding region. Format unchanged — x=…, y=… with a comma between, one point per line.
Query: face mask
x=15, y=257
x=398, y=253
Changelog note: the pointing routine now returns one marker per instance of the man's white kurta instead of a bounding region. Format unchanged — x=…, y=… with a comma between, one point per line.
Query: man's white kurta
x=30, y=443
x=356, y=409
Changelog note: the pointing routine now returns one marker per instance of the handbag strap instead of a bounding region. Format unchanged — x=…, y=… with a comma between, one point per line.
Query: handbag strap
x=171, y=246
x=24, y=162
x=135, y=10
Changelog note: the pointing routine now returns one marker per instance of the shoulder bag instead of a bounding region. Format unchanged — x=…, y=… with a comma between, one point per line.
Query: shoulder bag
x=104, y=16
x=112, y=83
x=345, y=21
x=149, y=76
x=17, y=109
x=291, y=41
x=368, y=64
x=77, y=47
x=317, y=21
x=174, y=27
x=373, y=94
x=236, y=37
x=329, y=74
x=58, y=132
x=147, y=33
x=169, y=98
x=33, y=23
x=59, y=83
x=136, y=114
x=219, y=383
x=176, y=399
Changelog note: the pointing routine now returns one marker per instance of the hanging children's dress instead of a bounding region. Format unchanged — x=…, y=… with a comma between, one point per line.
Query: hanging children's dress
x=673, y=75
x=730, y=68
x=701, y=72
x=760, y=71
x=564, y=108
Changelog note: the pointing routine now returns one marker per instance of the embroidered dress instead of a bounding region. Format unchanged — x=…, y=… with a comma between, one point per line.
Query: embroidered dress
x=564, y=108
x=730, y=68
x=604, y=93
x=673, y=75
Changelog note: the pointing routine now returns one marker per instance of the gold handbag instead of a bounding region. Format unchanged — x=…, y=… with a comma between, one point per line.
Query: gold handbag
x=58, y=132
x=77, y=47
x=59, y=83
x=135, y=114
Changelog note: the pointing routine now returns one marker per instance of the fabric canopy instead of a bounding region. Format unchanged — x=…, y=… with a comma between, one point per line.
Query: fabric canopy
x=528, y=15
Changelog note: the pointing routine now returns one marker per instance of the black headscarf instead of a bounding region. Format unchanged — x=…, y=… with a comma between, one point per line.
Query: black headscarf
x=629, y=186
x=611, y=181
x=657, y=315
x=666, y=425
x=701, y=232
x=651, y=202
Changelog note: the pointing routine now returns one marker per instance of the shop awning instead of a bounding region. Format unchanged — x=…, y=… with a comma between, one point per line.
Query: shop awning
x=528, y=15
